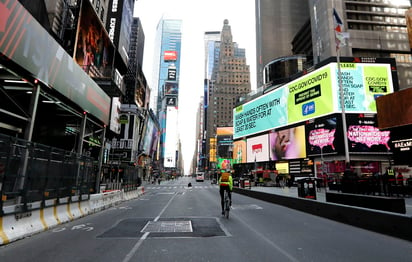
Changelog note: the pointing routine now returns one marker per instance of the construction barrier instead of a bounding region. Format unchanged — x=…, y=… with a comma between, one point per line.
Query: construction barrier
x=36, y=220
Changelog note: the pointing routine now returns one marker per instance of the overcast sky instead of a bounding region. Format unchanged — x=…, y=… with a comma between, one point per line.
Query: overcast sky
x=197, y=17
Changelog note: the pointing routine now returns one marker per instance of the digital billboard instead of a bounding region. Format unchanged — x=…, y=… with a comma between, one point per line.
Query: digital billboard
x=362, y=83
x=171, y=136
x=170, y=56
x=287, y=143
x=239, y=151
x=25, y=42
x=118, y=24
x=171, y=74
x=401, y=145
x=224, y=139
x=322, y=136
x=264, y=113
x=171, y=88
x=258, y=148
x=315, y=95
x=364, y=136
x=93, y=49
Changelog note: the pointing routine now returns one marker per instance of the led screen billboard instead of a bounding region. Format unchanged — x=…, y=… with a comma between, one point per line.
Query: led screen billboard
x=287, y=143
x=93, y=49
x=239, y=151
x=25, y=42
x=171, y=137
x=258, y=148
x=364, y=136
x=315, y=95
x=323, y=136
x=171, y=88
x=170, y=56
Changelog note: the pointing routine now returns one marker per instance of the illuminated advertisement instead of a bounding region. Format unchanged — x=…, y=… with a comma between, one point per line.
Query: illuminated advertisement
x=171, y=74
x=25, y=42
x=287, y=144
x=315, y=95
x=401, y=145
x=212, y=150
x=114, y=116
x=310, y=96
x=170, y=56
x=93, y=49
x=362, y=84
x=323, y=136
x=171, y=101
x=264, y=113
x=257, y=148
x=239, y=151
x=224, y=136
x=171, y=140
x=224, y=163
x=171, y=88
x=118, y=24
x=150, y=138
x=364, y=136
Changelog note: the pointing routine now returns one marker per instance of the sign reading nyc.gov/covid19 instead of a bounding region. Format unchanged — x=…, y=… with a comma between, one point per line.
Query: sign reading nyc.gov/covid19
x=314, y=95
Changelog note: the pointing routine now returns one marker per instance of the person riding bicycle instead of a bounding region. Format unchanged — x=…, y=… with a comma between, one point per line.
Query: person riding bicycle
x=225, y=183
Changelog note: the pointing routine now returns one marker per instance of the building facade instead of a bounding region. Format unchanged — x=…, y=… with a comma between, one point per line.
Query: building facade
x=166, y=69
x=230, y=81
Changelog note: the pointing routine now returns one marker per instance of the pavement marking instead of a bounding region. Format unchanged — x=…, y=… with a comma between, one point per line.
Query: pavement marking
x=139, y=243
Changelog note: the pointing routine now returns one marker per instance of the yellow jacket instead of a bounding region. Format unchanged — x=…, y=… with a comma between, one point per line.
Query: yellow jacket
x=230, y=183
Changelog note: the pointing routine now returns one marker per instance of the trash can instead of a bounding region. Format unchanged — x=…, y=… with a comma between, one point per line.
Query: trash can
x=307, y=188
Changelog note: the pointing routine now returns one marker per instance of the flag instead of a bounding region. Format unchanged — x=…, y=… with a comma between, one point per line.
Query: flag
x=338, y=27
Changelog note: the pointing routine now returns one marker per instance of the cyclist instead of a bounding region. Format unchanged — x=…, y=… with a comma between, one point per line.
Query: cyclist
x=225, y=183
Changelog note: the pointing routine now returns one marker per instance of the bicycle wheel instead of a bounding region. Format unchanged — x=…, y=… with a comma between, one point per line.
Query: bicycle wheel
x=227, y=204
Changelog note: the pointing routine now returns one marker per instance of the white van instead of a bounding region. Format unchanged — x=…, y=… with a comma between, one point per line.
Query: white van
x=200, y=177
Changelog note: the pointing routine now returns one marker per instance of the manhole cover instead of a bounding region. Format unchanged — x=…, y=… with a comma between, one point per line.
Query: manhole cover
x=167, y=226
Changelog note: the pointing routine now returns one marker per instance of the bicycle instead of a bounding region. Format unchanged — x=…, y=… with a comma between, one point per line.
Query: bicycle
x=226, y=204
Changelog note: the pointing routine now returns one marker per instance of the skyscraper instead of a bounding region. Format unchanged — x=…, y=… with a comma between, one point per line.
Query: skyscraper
x=230, y=80
x=166, y=73
x=277, y=22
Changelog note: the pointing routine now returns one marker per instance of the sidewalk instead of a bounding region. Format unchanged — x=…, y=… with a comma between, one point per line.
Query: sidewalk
x=320, y=196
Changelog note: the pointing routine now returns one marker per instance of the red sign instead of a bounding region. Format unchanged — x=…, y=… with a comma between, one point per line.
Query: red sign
x=170, y=55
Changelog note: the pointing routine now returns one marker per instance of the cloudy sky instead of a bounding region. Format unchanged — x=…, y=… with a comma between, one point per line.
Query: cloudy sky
x=198, y=17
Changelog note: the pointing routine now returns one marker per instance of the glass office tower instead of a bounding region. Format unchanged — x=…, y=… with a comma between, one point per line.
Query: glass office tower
x=166, y=74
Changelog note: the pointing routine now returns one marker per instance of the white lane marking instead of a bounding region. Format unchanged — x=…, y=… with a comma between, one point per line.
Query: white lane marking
x=139, y=243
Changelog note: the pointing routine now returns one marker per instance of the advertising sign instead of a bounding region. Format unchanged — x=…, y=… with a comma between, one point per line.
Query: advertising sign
x=362, y=84
x=170, y=56
x=288, y=143
x=310, y=96
x=171, y=88
x=258, y=149
x=315, y=95
x=261, y=114
x=25, y=42
x=322, y=136
x=239, y=151
x=119, y=21
x=401, y=145
x=171, y=74
x=364, y=136
x=93, y=49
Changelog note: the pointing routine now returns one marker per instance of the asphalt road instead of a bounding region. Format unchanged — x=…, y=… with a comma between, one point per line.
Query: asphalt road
x=173, y=222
